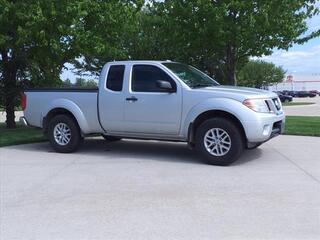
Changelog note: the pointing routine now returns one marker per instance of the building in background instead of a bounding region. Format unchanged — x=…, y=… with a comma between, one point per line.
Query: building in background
x=301, y=83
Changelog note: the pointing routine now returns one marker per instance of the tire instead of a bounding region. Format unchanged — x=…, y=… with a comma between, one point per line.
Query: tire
x=64, y=124
x=254, y=146
x=111, y=138
x=227, y=130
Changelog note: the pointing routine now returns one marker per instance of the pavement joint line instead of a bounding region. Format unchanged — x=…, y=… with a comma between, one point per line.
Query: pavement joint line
x=297, y=166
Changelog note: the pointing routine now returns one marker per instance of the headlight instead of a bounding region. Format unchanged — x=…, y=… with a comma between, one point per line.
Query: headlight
x=257, y=105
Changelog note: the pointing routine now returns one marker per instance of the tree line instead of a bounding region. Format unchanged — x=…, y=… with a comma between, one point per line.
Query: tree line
x=37, y=38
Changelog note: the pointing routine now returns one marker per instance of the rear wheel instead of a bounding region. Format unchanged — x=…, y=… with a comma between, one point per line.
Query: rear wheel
x=219, y=141
x=64, y=134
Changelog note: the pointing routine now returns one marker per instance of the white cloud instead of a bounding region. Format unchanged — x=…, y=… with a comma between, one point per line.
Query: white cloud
x=297, y=61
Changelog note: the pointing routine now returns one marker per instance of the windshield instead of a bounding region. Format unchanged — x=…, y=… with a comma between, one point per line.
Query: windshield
x=190, y=75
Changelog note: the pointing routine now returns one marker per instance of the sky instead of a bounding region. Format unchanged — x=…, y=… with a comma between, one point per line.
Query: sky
x=301, y=61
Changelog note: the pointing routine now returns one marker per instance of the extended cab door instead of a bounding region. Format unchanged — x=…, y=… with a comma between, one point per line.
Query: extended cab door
x=112, y=98
x=149, y=109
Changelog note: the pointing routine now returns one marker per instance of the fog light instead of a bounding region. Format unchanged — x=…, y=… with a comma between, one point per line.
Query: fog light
x=266, y=130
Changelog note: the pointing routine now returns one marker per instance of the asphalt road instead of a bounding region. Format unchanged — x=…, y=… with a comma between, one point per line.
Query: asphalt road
x=150, y=190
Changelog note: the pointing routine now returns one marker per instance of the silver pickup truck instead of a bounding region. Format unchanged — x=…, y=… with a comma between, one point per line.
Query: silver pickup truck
x=158, y=100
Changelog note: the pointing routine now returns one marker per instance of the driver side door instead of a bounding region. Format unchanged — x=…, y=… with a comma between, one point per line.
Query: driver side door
x=148, y=108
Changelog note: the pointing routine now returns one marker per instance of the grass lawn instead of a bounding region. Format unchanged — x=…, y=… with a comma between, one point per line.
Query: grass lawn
x=19, y=135
x=304, y=126
x=296, y=103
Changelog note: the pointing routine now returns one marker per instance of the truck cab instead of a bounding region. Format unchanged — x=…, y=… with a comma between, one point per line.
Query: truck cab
x=140, y=99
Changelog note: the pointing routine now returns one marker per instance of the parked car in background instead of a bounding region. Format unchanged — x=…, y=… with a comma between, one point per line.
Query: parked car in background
x=305, y=94
x=315, y=92
x=284, y=97
x=290, y=93
x=286, y=92
x=159, y=100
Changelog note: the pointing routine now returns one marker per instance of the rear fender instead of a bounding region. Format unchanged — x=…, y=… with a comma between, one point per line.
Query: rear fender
x=71, y=107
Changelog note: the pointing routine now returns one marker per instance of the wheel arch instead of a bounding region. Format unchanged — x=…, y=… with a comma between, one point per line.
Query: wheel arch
x=193, y=126
x=57, y=111
x=65, y=106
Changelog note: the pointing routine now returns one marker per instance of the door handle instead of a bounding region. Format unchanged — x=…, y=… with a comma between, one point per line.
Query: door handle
x=132, y=99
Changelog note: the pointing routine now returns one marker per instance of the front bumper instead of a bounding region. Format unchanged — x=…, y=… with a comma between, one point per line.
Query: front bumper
x=277, y=128
x=265, y=127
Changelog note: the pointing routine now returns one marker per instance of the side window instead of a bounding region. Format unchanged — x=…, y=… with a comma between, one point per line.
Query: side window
x=145, y=77
x=115, y=77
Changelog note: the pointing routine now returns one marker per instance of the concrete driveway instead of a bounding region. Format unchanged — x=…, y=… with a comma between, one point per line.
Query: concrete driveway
x=149, y=190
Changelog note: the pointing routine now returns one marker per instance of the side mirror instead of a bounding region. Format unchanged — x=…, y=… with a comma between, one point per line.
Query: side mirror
x=165, y=86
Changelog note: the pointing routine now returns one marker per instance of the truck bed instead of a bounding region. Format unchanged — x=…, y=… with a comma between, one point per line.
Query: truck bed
x=66, y=89
x=83, y=100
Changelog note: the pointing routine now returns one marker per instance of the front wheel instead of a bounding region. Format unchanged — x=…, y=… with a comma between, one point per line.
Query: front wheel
x=64, y=134
x=253, y=146
x=219, y=141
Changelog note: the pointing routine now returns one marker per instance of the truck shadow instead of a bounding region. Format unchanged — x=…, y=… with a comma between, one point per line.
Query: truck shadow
x=154, y=150
x=139, y=150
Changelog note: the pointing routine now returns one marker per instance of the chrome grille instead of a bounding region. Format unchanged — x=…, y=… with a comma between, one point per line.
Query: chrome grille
x=277, y=103
x=273, y=104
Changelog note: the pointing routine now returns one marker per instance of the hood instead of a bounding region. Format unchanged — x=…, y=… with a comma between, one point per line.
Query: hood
x=237, y=93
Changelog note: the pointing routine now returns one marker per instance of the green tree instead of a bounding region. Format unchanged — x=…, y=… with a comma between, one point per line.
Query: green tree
x=81, y=82
x=67, y=83
x=258, y=73
x=91, y=83
x=104, y=32
x=36, y=40
x=220, y=36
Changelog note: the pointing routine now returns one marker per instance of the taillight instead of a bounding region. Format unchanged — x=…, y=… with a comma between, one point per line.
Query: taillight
x=23, y=101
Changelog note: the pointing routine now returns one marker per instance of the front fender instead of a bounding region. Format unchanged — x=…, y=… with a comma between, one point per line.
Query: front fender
x=71, y=107
x=231, y=106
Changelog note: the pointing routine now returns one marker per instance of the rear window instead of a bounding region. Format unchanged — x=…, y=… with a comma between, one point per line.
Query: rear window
x=115, y=77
